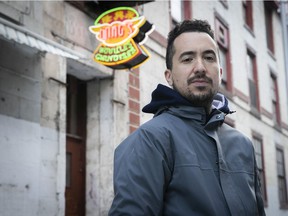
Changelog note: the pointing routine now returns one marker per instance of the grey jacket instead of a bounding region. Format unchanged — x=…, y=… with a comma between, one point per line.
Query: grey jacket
x=179, y=163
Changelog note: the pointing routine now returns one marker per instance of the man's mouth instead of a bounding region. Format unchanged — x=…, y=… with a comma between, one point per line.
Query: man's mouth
x=199, y=81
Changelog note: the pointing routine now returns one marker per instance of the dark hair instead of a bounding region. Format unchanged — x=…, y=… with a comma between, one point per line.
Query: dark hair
x=185, y=26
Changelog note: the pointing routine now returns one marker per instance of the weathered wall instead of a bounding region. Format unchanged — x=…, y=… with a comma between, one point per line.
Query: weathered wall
x=53, y=136
x=20, y=130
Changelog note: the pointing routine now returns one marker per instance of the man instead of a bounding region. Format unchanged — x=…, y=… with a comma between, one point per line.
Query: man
x=186, y=161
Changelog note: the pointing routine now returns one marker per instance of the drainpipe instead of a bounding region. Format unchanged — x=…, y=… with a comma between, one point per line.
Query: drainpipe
x=284, y=20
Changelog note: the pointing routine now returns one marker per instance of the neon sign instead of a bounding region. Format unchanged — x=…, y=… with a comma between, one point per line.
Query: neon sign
x=122, y=33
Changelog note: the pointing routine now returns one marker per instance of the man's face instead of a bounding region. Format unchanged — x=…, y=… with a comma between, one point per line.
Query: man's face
x=196, y=73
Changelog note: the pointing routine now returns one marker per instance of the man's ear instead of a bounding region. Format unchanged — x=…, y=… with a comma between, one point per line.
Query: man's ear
x=168, y=76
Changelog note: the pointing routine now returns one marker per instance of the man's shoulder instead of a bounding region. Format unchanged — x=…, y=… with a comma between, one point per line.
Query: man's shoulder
x=226, y=127
x=232, y=133
x=159, y=122
x=154, y=133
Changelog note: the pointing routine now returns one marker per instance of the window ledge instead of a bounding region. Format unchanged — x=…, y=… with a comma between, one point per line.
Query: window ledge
x=284, y=206
x=255, y=113
x=278, y=128
x=249, y=30
x=271, y=54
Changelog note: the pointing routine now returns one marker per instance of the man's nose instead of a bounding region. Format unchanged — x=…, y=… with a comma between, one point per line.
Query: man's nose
x=199, y=66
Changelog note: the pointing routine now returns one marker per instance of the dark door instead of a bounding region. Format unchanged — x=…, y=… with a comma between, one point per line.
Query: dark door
x=75, y=147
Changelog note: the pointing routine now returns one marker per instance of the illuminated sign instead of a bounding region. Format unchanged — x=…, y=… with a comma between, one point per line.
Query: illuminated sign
x=122, y=33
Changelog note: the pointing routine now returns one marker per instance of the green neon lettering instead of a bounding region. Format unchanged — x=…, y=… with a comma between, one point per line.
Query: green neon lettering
x=115, y=58
x=109, y=58
x=115, y=54
x=124, y=55
x=122, y=48
x=110, y=51
x=131, y=51
x=118, y=50
x=102, y=50
x=99, y=57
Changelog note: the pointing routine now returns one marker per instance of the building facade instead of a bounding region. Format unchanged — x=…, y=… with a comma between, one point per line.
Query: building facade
x=62, y=114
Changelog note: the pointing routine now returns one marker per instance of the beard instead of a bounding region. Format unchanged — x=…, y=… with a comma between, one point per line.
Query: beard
x=203, y=99
x=204, y=95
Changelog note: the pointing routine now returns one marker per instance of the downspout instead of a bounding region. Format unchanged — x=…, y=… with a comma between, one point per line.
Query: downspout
x=284, y=21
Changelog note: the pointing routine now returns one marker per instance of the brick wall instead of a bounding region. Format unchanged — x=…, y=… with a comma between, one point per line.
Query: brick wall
x=134, y=100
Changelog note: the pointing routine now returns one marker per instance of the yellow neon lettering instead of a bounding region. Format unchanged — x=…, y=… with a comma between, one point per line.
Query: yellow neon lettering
x=130, y=15
x=119, y=15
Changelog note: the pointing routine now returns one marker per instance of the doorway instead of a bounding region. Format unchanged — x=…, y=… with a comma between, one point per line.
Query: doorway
x=75, y=147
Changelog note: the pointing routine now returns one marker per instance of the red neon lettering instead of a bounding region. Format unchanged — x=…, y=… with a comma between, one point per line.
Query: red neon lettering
x=112, y=32
x=104, y=33
x=130, y=27
x=120, y=31
x=116, y=31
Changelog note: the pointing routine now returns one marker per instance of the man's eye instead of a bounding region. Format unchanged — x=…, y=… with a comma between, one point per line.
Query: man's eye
x=186, y=60
x=209, y=58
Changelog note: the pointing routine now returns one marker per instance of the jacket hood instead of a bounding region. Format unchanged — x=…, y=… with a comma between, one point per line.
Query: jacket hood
x=164, y=96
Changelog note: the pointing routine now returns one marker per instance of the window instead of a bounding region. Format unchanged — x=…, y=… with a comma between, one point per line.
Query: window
x=248, y=13
x=282, y=187
x=222, y=38
x=68, y=169
x=223, y=63
x=258, y=145
x=180, y=10
x=176, y=11
x=269, y=26
x=275, y=100
x=253, y=80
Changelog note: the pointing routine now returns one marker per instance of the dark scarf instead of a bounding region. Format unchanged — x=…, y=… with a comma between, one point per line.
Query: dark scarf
x=164, y=96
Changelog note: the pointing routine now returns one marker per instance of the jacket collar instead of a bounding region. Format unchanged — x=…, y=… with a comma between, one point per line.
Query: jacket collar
x=167, y=99
x=198, y=114
x=163, y=97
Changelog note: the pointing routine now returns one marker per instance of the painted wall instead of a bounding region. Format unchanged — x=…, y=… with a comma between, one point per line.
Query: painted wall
x=32, y=133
